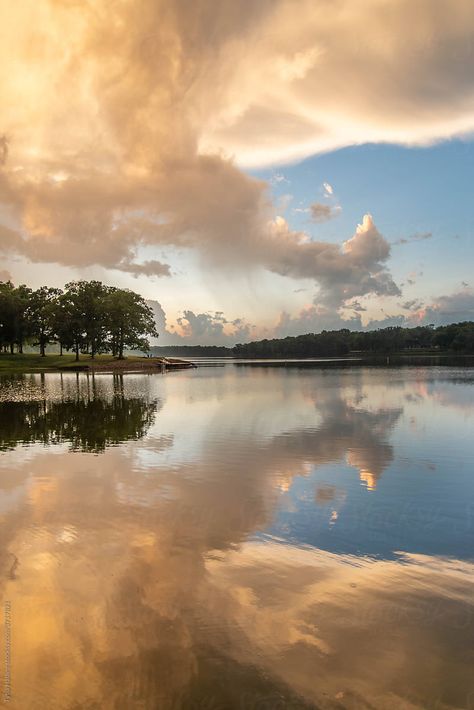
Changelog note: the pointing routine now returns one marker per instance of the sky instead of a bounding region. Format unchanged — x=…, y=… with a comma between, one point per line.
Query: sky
x=251, y=170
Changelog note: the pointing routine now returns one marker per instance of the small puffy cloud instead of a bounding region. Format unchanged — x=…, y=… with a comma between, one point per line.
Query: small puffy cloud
x=322, y=213
x=328, y=189
x=278, y=178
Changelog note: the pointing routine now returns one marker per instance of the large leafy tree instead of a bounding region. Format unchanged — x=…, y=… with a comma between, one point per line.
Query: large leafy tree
x=7, y=315
x=84, y=310
x=70, y=320
x=22, y=323
x=41, y=314
x=14, y=321
x=130, y=321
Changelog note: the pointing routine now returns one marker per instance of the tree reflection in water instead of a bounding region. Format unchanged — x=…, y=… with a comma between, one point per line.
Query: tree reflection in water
x=88, y=419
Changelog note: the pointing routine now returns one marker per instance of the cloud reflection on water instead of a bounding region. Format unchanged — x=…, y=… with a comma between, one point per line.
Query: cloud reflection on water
x=140, y=583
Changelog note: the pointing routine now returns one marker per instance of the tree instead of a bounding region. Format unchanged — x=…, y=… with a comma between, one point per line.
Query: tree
x=14, y=322
x=41, y=311
x=84, y=317
x=7, y=315
x=130, y=321
x=71, y=317
x=21, y=322
x=60, y=323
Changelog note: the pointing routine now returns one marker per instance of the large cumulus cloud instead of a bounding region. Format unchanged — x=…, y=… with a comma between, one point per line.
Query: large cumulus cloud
x=119, y=119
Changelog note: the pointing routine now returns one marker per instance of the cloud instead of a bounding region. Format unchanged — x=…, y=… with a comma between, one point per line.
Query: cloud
x=355, y=270
x=418, y=237
x=147, y=268
x=452, y=308
x=328, y=189
x=279, y=178
x=121, y=118
x=389, y=321
x=314, y=319
x=3, y=150
x=5, y=275
x=360, y=74
x=322, y=213
x=356, y=306
x=412, y=305
x=212, y=329
x=200, y=328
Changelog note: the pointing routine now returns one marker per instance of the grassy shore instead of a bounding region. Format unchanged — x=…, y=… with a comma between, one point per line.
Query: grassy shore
x=31, y=362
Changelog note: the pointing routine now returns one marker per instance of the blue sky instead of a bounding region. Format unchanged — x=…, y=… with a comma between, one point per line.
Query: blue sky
x=252, y=171
x=409, y=191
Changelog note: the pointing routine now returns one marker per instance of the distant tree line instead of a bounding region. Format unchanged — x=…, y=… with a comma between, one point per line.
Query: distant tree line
x=192, y=351
x=87, y=317
x=456, y=336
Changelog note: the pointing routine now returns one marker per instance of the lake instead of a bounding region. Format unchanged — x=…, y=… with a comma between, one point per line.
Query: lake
x=240, y=537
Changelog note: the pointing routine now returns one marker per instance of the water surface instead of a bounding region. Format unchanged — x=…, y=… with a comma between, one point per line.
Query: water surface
x=238, y=538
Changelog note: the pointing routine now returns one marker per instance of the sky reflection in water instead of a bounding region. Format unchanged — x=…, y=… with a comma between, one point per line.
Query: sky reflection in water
x=239, y=538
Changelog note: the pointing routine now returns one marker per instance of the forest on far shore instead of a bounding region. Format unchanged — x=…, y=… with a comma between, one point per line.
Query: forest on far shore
x=456, y=337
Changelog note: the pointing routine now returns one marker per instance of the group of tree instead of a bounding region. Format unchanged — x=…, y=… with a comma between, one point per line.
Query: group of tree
x=85, y=317
x=457, y=337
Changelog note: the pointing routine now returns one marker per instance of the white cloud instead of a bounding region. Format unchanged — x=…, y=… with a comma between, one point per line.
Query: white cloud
x=111, y=112
x=200, y=328
x=314, y=319
x=453, y=308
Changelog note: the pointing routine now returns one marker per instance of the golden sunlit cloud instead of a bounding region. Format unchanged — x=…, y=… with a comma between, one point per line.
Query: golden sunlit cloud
x=121, y=122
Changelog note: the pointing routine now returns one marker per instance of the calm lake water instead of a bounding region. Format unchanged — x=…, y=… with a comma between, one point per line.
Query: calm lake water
x=238, y=537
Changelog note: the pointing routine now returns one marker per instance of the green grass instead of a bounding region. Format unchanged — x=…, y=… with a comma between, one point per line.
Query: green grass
x=32, y=362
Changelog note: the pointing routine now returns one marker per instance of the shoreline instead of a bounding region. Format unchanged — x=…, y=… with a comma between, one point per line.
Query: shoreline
x=30, y=363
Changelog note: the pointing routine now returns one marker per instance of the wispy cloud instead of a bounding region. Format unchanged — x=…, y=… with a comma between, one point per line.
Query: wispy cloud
x=418, y=237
